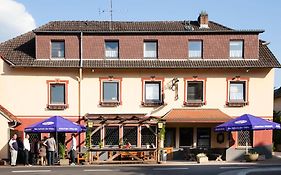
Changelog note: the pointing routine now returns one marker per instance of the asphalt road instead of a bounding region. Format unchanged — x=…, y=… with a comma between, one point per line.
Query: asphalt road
x=145, y=170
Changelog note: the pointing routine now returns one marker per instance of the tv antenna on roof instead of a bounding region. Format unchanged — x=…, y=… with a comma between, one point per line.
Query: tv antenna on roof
x=111, y=14
x=110, y=11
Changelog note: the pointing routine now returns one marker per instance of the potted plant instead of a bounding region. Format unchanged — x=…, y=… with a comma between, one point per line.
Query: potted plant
x=201, y=158
x=147, y=145
x=162, y=136
x=251, y=156
x=63, y=160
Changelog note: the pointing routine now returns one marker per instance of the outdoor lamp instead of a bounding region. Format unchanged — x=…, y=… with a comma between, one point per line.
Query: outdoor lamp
x=90, y=124
x=160, y=125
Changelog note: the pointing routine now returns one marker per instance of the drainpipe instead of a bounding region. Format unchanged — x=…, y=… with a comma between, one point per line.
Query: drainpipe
x=79, y=79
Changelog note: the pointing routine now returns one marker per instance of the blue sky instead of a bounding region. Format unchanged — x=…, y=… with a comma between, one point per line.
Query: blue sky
x=237, y=14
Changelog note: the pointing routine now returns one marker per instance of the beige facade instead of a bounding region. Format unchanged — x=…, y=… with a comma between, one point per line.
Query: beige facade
x=28, y=97
x=5, y=136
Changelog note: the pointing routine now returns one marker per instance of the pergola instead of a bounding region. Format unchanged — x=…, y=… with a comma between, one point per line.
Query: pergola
x=136, y=128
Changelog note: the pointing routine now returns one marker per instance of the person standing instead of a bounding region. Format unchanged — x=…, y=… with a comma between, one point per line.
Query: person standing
x=42, y=154
x=50, y=143
x=73, y=149
x=13, y=149
x=26, y=150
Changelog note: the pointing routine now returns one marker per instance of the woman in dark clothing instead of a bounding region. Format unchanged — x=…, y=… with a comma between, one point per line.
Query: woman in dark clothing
x=20, y=158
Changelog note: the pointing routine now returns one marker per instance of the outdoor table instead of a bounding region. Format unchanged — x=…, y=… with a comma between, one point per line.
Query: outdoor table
x=115, y=152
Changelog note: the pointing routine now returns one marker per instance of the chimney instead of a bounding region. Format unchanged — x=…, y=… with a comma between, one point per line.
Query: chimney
x=203, y=20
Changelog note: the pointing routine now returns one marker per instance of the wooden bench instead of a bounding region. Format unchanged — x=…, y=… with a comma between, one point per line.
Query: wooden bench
x=126, y=154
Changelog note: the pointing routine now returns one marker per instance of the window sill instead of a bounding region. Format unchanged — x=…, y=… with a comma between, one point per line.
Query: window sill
x=151, y=104
x=110, y=104
x=57, y=107
x=57, y=58
x=195, y=58
x=236, y=103
x=194, y=103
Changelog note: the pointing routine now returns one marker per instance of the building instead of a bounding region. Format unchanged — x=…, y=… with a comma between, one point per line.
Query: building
x=277, y=100
x=8, y=122
x=193, y=74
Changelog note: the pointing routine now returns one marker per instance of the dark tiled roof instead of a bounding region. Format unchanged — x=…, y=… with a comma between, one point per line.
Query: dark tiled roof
x=277, y=93
x=20, y=52
x=118, y=26
x=8, y=114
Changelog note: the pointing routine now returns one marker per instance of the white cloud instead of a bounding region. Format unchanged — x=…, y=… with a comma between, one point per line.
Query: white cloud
x=14, y=19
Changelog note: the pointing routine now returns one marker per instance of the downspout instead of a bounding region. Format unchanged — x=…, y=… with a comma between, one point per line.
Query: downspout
x=79, y=79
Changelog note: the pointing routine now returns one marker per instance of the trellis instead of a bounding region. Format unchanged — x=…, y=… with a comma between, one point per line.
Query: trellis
x=113, y=130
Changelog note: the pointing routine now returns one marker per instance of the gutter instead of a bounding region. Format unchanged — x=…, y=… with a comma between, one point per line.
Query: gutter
x=9, y=62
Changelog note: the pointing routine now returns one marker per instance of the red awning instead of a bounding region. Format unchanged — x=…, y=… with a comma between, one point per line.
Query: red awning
x=196, y=116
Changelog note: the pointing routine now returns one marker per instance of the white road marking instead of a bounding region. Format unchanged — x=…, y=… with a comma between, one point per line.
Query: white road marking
x=99, y=170
x=31, y=171
x=167, y=169
x=234, y=167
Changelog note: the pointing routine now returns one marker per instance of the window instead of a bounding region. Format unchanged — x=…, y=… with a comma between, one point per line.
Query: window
x=57, y=94
x=96, y=137
x=111, y=135
x=186, y=136
x=236, y=49
x=130, y=134
x=170, y=137
x=245, y=137
x=58, y=49
x=152, y=92
x=237, y=91
x=195, y=49
x=110, y=91
x=111, y=49
x=150, y=49
x=204, y=137
x=148, y=135
x=195, y=91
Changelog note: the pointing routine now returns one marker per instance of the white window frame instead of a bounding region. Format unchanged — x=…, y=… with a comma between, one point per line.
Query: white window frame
x=51, y=50
x=236, y=54
x=195, y=54
x=148, y=54
x=111, y=54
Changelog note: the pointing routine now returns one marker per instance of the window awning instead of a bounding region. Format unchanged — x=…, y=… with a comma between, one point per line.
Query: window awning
x=196, y=116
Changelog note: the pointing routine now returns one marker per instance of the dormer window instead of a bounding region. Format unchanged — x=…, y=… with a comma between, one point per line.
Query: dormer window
x=195, y=49
x=111, y=49
x=236, y=49
x=150, y=49
x=58, y=49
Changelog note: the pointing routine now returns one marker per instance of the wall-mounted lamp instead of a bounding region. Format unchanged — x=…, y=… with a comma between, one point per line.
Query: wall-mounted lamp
x=90, y=124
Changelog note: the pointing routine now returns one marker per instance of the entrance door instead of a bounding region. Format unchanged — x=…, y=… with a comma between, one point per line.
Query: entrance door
x=204, y=137
x=186, y=136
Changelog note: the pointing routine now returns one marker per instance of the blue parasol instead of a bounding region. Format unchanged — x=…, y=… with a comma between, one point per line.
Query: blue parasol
x=55, y=124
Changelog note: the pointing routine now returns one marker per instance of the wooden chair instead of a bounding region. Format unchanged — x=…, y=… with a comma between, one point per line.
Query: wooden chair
x=80, y=157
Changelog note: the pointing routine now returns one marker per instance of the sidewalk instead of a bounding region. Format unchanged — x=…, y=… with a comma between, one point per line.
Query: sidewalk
x=275, y=160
